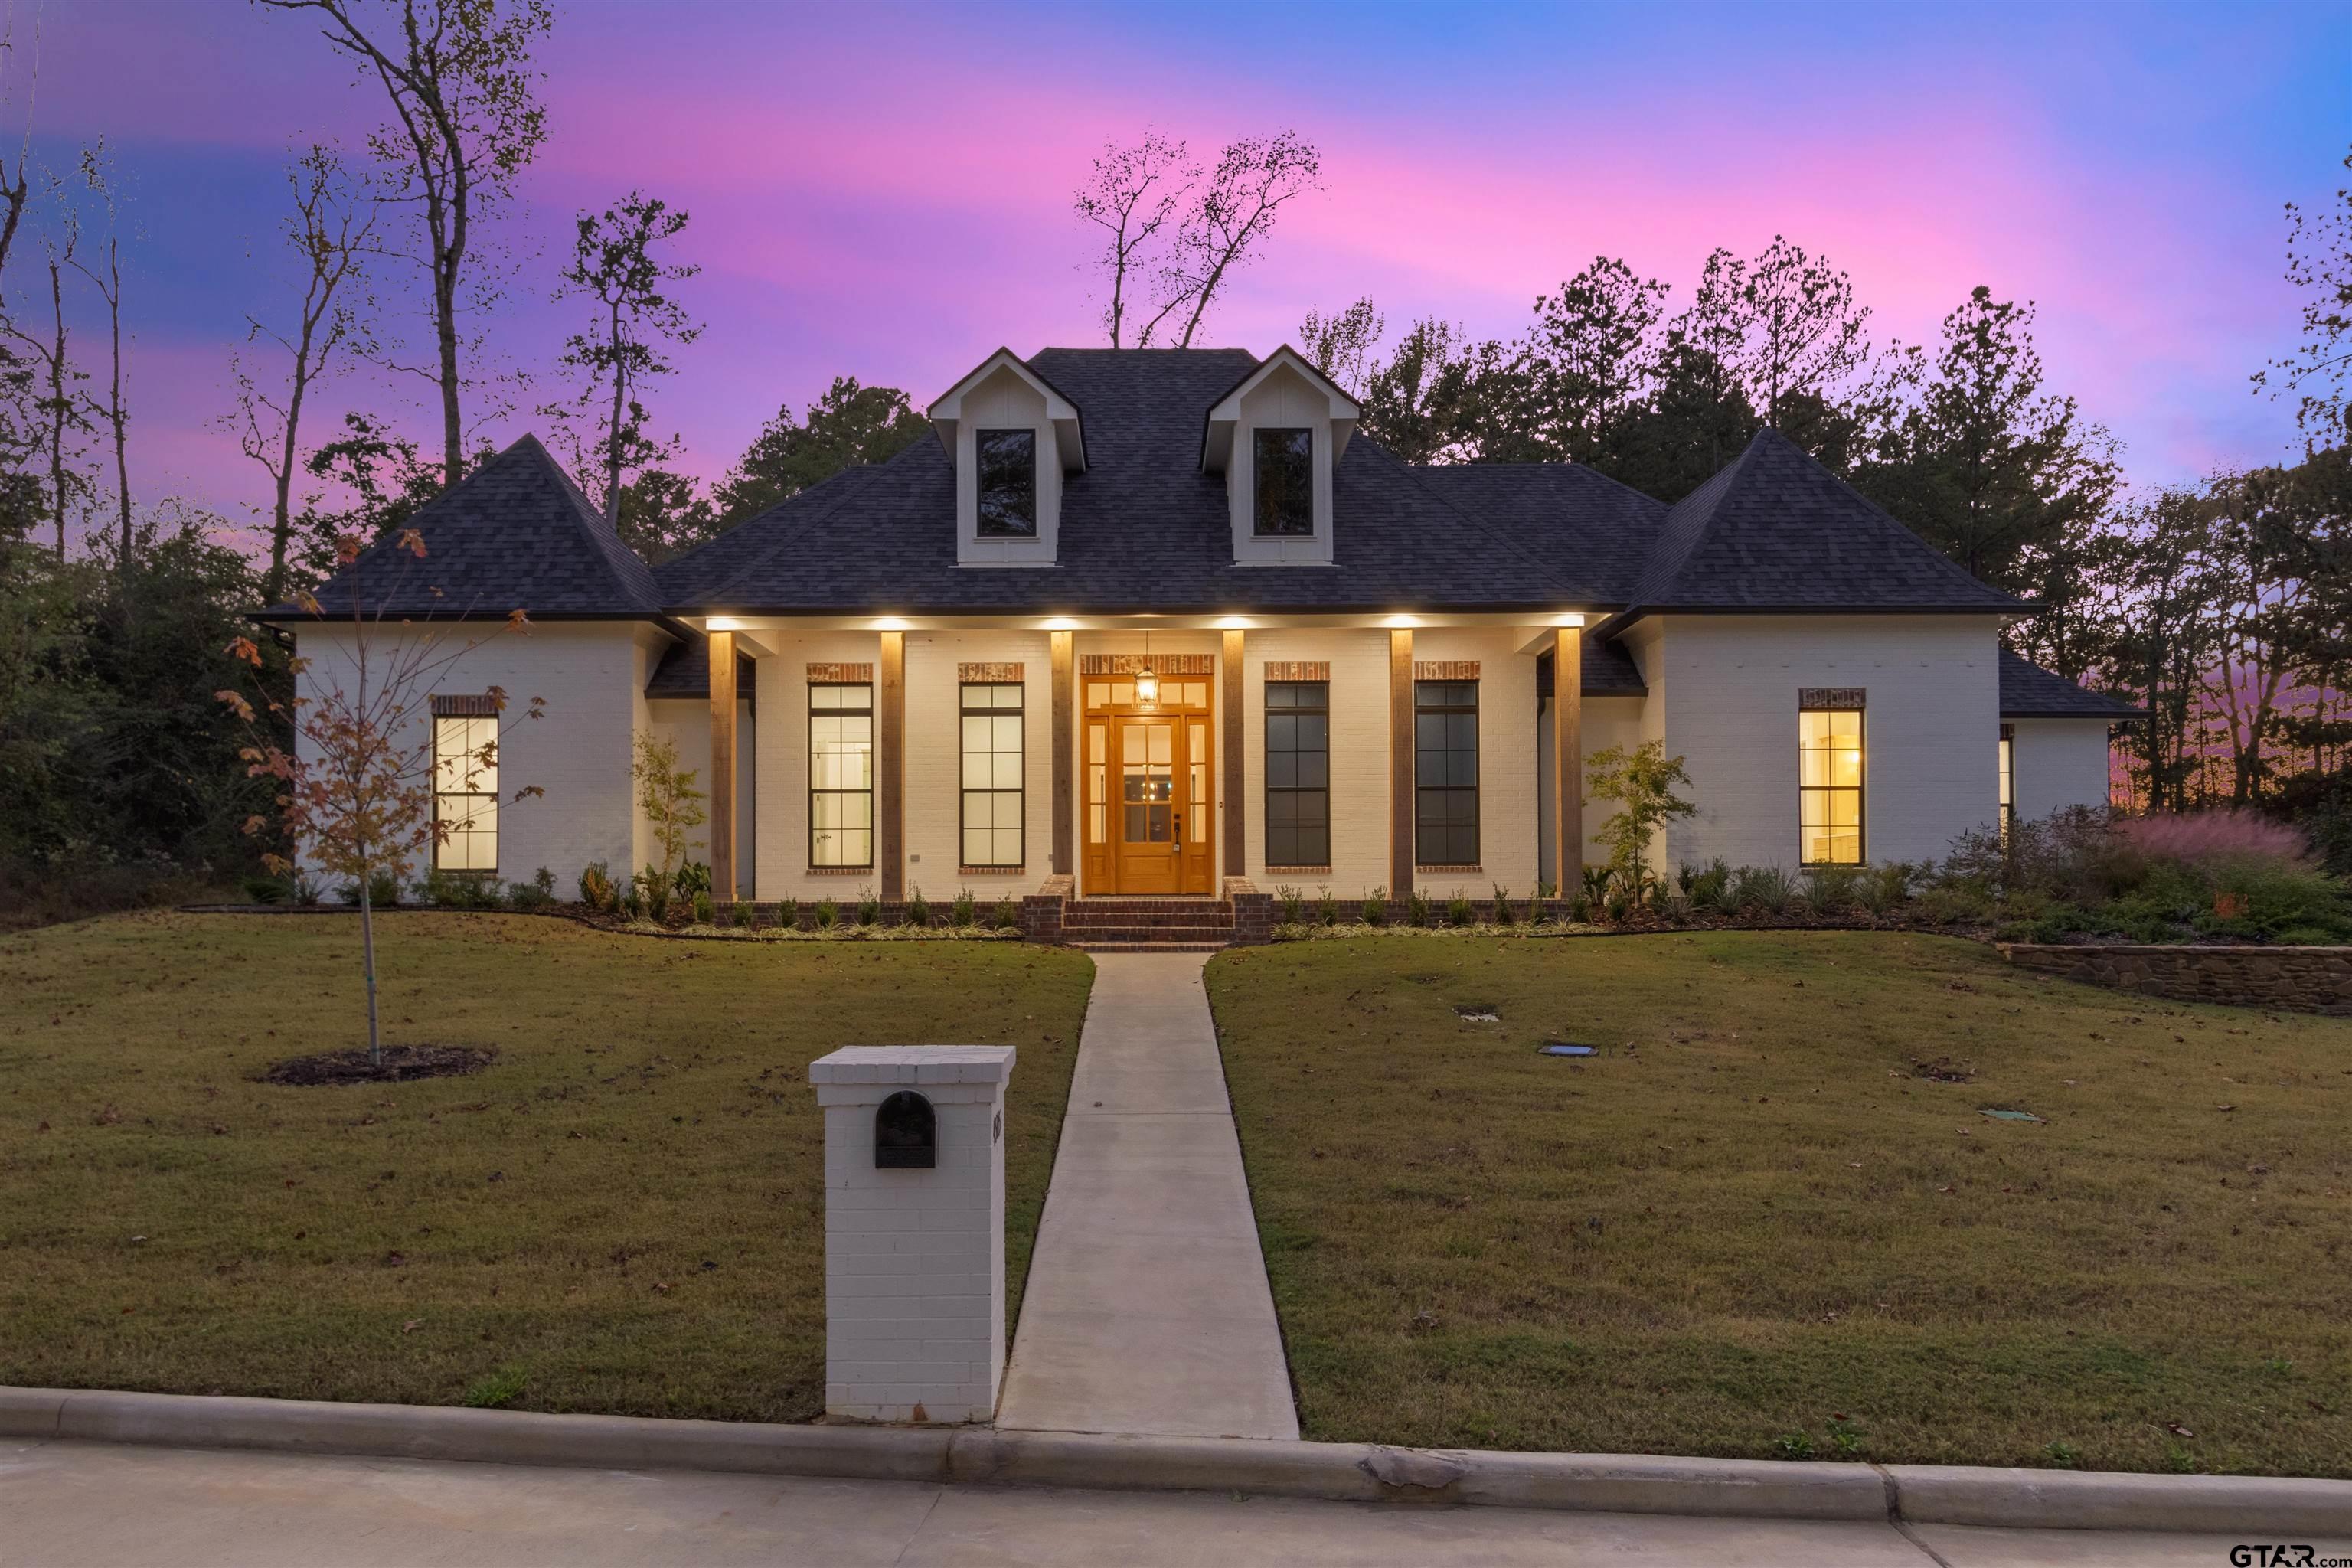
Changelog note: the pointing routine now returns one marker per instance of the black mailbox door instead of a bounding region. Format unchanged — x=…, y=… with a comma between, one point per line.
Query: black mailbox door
x=906, y=1134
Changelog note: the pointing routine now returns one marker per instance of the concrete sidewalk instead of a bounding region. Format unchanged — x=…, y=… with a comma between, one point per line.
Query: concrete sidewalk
x=102, y=1505
x=1147, y=1309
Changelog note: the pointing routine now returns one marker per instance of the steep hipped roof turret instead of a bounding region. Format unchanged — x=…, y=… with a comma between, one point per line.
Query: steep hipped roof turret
x=514, y=534
x=1776, y=532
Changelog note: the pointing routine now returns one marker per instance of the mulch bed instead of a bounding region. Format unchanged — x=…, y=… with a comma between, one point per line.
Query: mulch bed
x=400, y=1064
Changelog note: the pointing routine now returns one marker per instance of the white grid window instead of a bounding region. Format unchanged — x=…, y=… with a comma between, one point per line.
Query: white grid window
x=991, y=775
x=841, y=775
x=466, y=793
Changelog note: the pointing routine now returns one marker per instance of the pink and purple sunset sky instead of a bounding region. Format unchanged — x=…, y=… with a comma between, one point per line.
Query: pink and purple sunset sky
x=884, y=191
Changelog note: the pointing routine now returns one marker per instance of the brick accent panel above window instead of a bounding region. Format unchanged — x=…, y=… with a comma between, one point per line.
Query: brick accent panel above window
x=1830, y=699
x=1162, y=664
x=987, y=674
x=840, y=674
x=1298, y=669
x=467, y=705
x=1445, y=669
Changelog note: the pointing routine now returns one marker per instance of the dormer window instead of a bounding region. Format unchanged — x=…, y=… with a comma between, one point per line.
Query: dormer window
x=1284, y=473
x=1007, y=466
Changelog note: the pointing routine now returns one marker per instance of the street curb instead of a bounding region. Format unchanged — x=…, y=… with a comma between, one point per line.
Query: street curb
x=1356, y=1472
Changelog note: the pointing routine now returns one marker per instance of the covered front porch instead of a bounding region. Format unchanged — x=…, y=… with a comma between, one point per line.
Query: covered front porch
x=1135, y=758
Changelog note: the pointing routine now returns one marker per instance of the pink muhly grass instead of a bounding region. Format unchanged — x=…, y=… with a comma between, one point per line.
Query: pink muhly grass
x=2199, y=837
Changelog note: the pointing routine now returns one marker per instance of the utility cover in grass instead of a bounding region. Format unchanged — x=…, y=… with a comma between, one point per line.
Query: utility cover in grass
x=2012, y=1116
x=1566, y=1048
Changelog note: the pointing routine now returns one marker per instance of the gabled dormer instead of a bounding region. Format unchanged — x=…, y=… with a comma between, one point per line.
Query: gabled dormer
x=1013, y=437
x=1276, y=438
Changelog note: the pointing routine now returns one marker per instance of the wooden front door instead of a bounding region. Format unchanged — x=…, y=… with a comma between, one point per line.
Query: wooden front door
x=1151, y=806
x=1148, y=805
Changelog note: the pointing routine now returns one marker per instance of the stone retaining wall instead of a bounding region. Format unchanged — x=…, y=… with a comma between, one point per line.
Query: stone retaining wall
x=2291, y=979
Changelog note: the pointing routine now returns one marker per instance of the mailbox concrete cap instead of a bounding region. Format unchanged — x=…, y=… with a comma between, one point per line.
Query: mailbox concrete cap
x=918, y=1065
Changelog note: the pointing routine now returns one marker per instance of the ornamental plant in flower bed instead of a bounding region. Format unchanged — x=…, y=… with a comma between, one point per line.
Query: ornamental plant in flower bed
x=2076, y=876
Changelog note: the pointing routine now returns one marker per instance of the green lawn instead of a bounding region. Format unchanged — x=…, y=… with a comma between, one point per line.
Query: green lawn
x=1749, y=1217
x=624, y=1213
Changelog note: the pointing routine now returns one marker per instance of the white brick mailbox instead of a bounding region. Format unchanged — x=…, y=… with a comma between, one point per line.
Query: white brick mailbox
x=914, y=1230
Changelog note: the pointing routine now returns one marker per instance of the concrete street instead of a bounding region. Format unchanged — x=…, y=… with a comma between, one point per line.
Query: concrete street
x=96, y=1505
x=1147, y=1309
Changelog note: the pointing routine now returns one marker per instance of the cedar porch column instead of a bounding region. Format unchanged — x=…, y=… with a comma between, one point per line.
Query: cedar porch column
x=1568, y=760
x=890, y=764
x=1399, y=763
x=722, y=767
x=1236, y=795
x=1065, y=740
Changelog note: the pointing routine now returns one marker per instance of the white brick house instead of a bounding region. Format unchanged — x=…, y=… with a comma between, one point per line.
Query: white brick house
x=1150, y=619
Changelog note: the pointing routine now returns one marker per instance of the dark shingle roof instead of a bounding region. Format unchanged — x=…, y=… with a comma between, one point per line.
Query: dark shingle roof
x=1609, y=671
x=516, y=534
x=1778, y=531
x=684, y=670
x=2030, y=692
x=1142, y=528
x=1594, y=532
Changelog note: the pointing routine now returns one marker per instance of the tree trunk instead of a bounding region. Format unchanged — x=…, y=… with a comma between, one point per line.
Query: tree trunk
x=444, y=326
x=613, y=431
x=115, y=413
x=367, y=952
x=58, y=408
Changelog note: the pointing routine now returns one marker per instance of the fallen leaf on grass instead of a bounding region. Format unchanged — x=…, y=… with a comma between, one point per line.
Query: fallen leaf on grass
x=411, y=1326
x=2178, y=1430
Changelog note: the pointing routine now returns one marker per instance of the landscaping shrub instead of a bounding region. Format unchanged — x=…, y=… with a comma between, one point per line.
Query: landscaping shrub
x=693, y=878
x=1459, y=912
x=596, y=888
x=787, y=913
x=828, y=914
x=740, y=916
x=1376, y=907
x=1418, y=911
x=2192, y=837
x=869, y=908
x=919, y=911
x=965, y=911
x=703, y=908
x=1833, y=890
x=536, y=894
x=1765, y=889
x=266, y=889
x=1008, y=915
x=1503, y=914
x=1328, y=910
x=654, y=891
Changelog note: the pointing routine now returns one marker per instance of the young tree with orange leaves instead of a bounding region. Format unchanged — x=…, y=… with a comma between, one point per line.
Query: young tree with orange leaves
x=355, y=795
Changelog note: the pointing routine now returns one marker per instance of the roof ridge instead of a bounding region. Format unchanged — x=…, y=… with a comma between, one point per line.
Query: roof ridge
x=603, y=539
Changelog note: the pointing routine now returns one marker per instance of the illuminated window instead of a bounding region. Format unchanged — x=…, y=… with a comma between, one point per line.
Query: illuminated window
x=1829, y=755
x=1008, y=482
x=1298, y=773
x=841, y=775
x=466, y=790
x=1445, y=772
x=991, y=775
x=1284, y=477
x=2008, y=779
